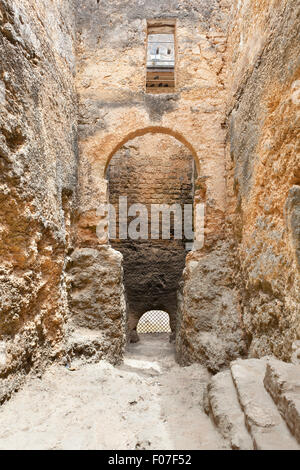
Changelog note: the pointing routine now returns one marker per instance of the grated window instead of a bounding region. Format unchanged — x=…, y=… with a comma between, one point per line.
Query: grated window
x=154, y=321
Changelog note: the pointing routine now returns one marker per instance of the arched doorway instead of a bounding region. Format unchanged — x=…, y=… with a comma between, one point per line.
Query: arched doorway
x=152, y=169
x=150, y=130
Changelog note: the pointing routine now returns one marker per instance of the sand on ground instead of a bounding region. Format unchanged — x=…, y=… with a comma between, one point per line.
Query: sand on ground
x=148, y=402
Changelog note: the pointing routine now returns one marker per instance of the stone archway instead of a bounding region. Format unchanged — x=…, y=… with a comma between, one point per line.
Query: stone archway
x=97, y=150
x=96, y=154
x=154, y=130
x=153, y=168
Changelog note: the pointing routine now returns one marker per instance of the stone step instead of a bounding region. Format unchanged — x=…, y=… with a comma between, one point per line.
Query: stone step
x=263, y=420
x=282, y=381
x=226, y=412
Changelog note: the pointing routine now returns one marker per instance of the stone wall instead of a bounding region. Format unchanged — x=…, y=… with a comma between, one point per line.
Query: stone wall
x=209, y=327
x=154, y=169
x=238, y=78
x=263, y=169
x=115, y=108
x=96, y=329
x=38, y=177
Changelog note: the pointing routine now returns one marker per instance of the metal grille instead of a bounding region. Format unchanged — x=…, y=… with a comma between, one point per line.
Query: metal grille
x=154, y=321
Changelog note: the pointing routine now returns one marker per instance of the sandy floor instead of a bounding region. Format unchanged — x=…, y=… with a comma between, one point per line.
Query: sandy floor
x=148, y=402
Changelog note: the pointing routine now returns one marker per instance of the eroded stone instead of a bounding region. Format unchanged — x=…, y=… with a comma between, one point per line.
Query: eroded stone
x=283, y=383
x=263, y=419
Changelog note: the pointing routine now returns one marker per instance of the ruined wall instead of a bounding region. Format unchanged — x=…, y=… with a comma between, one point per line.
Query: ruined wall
x=154, y=169
x=209, y=327
x=237, y=72
x=38, y=168
x=114, y=108
x=263, y=168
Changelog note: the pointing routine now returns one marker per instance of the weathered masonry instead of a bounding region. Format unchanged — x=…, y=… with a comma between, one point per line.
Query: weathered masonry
x=192, y=102
x=192, y=113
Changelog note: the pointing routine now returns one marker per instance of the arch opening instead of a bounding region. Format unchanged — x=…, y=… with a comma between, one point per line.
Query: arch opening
x=154, y=130
x=153, y=169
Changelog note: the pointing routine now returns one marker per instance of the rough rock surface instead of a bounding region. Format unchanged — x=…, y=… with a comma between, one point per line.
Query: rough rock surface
x=114, y=106
x=38, y=178
x=283, y=383
x=208, y=324
x=97, y=302
x=263, y=169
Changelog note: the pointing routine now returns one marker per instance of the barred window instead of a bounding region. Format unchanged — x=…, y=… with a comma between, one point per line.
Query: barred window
x=154, y=321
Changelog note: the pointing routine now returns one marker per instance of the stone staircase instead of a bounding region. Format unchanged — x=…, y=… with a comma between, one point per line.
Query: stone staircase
x=256, y=404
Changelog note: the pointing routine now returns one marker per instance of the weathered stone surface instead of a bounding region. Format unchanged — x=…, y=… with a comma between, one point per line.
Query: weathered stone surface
x=295, y=359
x=283, y=383
x=115, y=107
x=226, y=411
x=38, y=168
x=208, y=325
x=267, y=428
x=96, y=297
x=262, y=169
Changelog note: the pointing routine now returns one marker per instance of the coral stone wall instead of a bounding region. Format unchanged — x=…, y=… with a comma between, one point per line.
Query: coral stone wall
x=38, y=168
x=154, y=169
x=263, y=168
